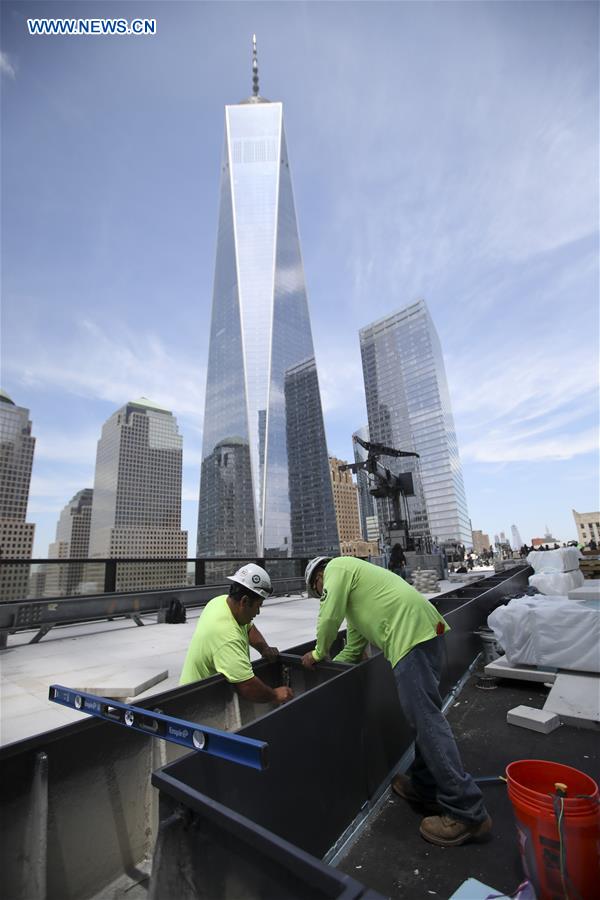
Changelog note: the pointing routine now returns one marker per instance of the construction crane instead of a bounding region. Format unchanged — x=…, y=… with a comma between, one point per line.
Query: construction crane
x=386, y=484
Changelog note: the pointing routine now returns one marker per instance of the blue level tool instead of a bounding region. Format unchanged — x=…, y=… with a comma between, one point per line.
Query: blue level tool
x=234, y=747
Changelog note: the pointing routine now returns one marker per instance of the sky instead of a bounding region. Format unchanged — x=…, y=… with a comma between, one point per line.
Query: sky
x=440, y=150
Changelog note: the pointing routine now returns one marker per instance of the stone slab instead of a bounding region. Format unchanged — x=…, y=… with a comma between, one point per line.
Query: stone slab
x=588, y=591
x=576, y=700
x=536, y=719
x=500, y=668
x=125, y=682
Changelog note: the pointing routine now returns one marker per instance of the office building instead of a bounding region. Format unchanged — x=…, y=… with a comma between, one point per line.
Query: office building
x=587, y=527
x=408, y=406
x=136, y=507
x=263, y=407
x=17, y=445
x=366, y=502
x=345, y=501
x=481, y=542
x=517, y=543
x=72, y=542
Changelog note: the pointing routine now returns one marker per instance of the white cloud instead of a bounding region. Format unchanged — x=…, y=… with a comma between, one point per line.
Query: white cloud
x=6, y=67
x=502, y=446
x=118, y=366
x=64, y=447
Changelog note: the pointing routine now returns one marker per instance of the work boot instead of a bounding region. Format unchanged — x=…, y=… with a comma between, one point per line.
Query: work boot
x=447, y=832
x=403, y=786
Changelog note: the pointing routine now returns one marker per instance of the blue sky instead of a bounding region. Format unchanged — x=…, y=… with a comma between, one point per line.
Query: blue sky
x=439, y=150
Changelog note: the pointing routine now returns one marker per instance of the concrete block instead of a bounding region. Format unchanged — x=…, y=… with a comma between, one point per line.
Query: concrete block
x=126, y=683
x=535, y=719
x=576, y=699
x=588, y=591
x=500, y=668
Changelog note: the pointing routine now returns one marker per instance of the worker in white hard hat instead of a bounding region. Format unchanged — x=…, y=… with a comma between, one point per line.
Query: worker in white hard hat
x=226, y=631
x=381, y=608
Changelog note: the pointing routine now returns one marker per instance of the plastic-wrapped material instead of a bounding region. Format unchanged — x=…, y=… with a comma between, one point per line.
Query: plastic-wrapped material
x=565, y=559
x=548, y=631
x=557, y=584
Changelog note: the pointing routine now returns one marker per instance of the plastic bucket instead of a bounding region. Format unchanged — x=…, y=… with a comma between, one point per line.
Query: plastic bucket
x=531, y=788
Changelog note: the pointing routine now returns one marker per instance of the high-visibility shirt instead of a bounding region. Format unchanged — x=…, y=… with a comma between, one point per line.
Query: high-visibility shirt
x=379, y=607
x=219, y=645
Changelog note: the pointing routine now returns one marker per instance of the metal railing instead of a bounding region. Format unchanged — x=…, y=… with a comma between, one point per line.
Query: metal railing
x=128, y=588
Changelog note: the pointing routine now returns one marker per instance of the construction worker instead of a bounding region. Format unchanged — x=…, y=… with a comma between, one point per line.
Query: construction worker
x=224, y=634
x=382, y=609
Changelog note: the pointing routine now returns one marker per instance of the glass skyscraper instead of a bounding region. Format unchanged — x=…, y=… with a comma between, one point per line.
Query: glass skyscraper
x=409, y=408
x=265, y=488
x=16, y=460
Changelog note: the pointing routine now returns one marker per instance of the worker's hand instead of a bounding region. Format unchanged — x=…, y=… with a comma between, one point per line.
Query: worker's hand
x=308, y=660
x=270, y=654
x=282, y=694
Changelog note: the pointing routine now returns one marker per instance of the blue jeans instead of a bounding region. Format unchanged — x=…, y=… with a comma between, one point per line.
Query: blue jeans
x=437, y=772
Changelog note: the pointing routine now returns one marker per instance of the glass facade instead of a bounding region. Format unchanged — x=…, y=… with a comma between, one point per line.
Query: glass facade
x=366, y=501
x=260, y=331
x=409, y=408
x=16, y=460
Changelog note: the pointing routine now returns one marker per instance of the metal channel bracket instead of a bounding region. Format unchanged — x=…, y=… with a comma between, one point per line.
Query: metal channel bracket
x=234, y=747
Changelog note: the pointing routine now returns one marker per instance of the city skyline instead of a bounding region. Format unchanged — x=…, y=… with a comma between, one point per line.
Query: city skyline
x=434, y=155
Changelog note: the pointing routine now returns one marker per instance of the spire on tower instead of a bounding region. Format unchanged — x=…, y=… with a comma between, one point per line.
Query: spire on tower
x=254, y=68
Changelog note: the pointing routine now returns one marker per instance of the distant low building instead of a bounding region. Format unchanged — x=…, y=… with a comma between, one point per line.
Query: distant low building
x=361, y=548
x=588, y=526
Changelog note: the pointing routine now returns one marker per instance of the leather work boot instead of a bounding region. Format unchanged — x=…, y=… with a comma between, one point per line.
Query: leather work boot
x=447, y=832
x=403, y=786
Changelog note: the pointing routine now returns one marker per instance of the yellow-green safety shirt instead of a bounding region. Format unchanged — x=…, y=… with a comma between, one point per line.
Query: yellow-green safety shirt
x=379, y=607
x=219, y=645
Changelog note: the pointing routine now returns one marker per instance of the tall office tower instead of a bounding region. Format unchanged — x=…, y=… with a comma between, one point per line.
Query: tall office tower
x=72, y=542
x=345, y=501
x=366, y=501
x=481, y=542
x=136, y=507
x=409, y=408
x=517, y=543
x=261, y=359
x=16, y=460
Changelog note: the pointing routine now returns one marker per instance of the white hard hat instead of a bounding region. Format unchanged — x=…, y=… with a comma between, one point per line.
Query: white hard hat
x=254, y=578
x=313, y=565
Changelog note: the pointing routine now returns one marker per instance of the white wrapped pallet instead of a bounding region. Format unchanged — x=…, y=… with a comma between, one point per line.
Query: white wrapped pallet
x=565, y=559
x=549, y=631
x=557, y=584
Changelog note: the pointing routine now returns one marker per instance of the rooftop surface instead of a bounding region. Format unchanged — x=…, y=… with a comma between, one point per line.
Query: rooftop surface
x=90, y=655
x=108, y=652
x=391, y=856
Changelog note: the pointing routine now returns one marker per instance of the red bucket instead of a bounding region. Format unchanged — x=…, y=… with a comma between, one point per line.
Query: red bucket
x=531, y=788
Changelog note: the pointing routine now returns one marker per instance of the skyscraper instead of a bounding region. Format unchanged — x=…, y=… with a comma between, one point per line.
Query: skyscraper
x=409, y=408
x=136, y=508
x=517, y=543
x=16, y=460
x=261, y=359
x=72, y=542
x=345, y=499
x=366, y=501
